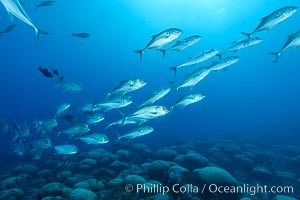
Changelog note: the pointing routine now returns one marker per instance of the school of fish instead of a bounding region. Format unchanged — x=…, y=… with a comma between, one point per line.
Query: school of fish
x=82, y=125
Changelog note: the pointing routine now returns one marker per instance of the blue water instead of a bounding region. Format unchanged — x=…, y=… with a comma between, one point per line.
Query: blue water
x=253, y=98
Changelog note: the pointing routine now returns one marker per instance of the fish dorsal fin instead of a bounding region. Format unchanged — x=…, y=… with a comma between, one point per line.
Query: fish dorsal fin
x=263, y=18
x=153, y=36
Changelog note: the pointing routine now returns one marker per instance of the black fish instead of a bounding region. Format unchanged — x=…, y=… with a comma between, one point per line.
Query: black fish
x=45, y=3
x=45, y=72
x=70, y=118
x=55, y=72
x=9, y=28
x=81, y=35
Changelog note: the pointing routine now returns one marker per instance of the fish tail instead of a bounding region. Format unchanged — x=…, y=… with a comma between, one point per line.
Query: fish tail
x=277, y=54
x=40, y=32
x=249, y=35
x=141, y=54
x=174, y=69
x=163, y=52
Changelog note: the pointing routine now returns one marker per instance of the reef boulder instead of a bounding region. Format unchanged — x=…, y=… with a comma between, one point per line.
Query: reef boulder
x=214, y=175
x=82, y=194
x=166, y=154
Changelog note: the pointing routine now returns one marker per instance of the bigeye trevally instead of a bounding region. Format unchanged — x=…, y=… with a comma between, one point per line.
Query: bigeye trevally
x=14, y=8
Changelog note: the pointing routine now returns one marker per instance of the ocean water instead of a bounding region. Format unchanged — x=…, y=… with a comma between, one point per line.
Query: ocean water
x=250, y=110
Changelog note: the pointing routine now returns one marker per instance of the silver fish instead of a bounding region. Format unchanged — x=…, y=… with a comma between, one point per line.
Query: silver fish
x=95, y=138
x=62, y=108
x=243, y=44
x=90, y=107
x=72, y=86
x=146, y=113
x=76, y=130
x=137, y=132
x=161, y=39
x=66, y=149
x=18, y=148
x=274, y=18
x=182, y=44
x=94, y=119
x=46, y=126
x=115, y=103
x=124, y=122
x=45, y=3
x=195, y=77
x=226, y=62
x=197, y=59
x=40, y=143
x=128, y=86
x=188, y=99
x=293, y=41
x=157, y=95
x=14, y=8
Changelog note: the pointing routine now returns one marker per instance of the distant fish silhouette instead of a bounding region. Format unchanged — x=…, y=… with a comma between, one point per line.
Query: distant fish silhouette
x=70, y=118
x=9, y=29
x=55, y=72
x=81, y=35
x=45, y=72
x=44, y=4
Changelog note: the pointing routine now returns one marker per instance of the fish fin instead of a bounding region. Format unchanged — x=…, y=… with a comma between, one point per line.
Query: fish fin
x=40, y=32
x=171, y=108
x=163, y=52
x=123, y=116
x=219, y=56
x=263, y=18
x=174, y=69
x=58, y=134
x=119, y=137
x=136, y=105
x=176, y=90
x=153, y=36
x=249, y=35
x=107, y=109
x=277, y=54
x=22, y=3
x=141, y=54
x=108, y=126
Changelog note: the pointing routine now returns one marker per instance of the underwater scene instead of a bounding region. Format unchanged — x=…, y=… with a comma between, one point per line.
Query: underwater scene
x=149, y=100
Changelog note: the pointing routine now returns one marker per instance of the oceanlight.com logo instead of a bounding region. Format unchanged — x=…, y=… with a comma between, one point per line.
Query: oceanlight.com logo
x=208, y=188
